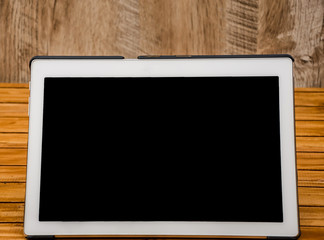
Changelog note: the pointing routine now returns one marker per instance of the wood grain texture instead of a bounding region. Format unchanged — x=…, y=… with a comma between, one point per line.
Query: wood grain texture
x=311, y=216
x=309, y=178
x=307, y=113
x=12, y=212
x=12, y=231
x=12, y=192
x=242, y=26
x=309, y=99
x=311, y=233
x=13, y=110
x=89, y=27
x=300, y=89
x=141, y=27
x=14, y=125
x=310, y=161
x=13, y=140
x=310, y=144
x=26, y=31
x=310, y=128
x=14, y=85
x=295, y=27
x=14, y=95
x=12, y=174
x=181, y=27
x=311, y=197
x=13, y=157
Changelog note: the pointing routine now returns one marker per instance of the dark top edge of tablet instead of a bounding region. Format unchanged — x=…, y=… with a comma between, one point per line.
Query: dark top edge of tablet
x=164, y=57
x=214, y=56
x=74, y=57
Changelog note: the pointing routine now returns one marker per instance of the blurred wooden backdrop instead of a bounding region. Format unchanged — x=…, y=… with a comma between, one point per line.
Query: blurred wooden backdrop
x=138, y=27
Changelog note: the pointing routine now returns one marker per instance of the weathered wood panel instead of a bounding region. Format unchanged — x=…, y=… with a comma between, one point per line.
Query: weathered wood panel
x=138, y=27
x=242, y=26
x=182, y=27
x=295, y=27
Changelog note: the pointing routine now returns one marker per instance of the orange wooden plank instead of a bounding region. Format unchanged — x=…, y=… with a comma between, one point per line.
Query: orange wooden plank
x=14, y=95
x=310, y=196
x=14, y=85
x=311, y=216
x=314, y=99
x=12, y=231
x=312, y=233
x=309, y=113
x=14, y=125
x=13, y=110
x=310, y=144
x=10, y=156
x=13, y=140
x=12, y=192
x=310, y=128
x=310, y=178
x=310, y=161
x=12, y=174
x=12, y=212
x=309, y=89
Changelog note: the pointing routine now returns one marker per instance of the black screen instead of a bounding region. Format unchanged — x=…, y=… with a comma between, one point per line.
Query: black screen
x=161, y=149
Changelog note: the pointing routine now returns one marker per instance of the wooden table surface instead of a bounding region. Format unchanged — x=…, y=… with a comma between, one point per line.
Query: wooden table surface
x=162, y=27
x=309, y=111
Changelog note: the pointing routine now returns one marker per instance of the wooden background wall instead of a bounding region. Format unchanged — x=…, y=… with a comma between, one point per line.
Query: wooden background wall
x=138, y=27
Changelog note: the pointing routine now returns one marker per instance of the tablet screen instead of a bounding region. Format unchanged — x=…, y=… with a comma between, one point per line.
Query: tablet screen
x=161, y=149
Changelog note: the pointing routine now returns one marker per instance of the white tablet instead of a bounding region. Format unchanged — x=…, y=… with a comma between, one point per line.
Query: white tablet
x=199, y=146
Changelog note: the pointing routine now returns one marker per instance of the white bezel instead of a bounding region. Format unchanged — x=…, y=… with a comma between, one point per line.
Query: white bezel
x=281, y=66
